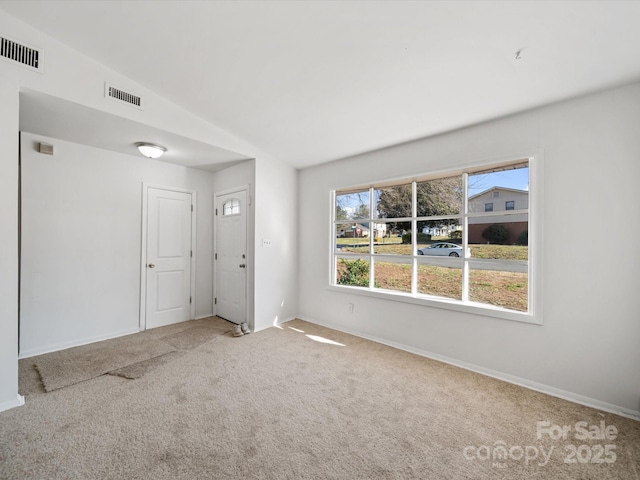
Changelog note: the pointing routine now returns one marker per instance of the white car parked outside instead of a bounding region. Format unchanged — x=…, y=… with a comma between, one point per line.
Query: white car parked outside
x=443, y=249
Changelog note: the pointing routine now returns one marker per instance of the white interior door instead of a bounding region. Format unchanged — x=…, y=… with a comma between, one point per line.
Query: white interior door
x=168, y=266
x=231, y=256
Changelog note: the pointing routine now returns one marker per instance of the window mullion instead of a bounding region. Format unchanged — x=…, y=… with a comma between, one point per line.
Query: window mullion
x=414, y=238
x=465, y=237
x=333, y=278
x=371, y=238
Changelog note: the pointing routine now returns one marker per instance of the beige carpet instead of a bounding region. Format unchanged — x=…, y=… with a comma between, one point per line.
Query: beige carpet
x=186, y=339
x=193, y=337
x=304, y=402
x=140, y=369
x=74, y=365
x=130, y=356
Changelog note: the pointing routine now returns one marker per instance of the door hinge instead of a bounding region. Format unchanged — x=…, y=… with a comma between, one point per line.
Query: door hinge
x=189, y=299
x=216, y=256
x=215, y=301
x=216, y=211
x=191, y=253
x=192, y=208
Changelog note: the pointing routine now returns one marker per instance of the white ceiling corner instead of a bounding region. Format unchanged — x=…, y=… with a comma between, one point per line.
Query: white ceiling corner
x=310, y=82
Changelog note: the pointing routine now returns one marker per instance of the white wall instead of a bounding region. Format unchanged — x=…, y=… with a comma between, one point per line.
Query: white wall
x=276, y=271
x=8, y=244
x=81, y=241
x=588, y=347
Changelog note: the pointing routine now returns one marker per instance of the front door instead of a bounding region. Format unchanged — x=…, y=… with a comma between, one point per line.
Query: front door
x=231, y=256
x=168, y=267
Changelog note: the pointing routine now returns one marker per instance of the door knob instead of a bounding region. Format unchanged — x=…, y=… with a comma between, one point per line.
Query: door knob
x=243, y=265
x=151, y=265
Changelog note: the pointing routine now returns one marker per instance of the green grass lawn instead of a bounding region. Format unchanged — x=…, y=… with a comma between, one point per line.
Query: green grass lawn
x=503, y=289
x=501, y=252
x=365, y=241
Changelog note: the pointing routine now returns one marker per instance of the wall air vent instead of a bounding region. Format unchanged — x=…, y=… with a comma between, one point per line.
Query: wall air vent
x=120, y=95
x=22, y=54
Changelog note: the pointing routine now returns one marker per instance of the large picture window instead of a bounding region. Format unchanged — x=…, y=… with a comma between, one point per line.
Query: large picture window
x=433, y=239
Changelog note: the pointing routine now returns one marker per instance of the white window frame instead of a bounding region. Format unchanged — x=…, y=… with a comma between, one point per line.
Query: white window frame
x=535, y=215
x=235, y=207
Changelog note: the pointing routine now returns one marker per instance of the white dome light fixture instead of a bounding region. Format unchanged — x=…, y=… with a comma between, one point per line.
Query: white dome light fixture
x=150, y=150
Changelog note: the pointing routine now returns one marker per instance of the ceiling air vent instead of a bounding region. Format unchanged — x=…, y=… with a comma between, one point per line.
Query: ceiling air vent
x=120, y=95
x=17, y=52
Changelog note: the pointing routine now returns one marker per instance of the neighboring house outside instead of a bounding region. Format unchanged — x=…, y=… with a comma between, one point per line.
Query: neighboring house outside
x=442, y=230
x=498, y=200
x=362, y=230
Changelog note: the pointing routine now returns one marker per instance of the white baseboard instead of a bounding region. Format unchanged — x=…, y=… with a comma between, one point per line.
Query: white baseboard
x=200, y=317
x=279, y=322
x=286, y=320
x=18, y=402
x=523, y=382
x=74, y=343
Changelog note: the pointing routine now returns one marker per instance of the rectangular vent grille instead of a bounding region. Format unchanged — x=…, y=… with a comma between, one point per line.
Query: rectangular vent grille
x=14, y=51
x=121, y=95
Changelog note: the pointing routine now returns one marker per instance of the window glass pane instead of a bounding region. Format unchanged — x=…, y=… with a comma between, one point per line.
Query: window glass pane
x=397, y=240
x=442, y=249
x=353, y=236
x=352, y=272
x=231, y=207
x=393, y=202
x=353, y=205
x=499, y=236
x=392, y=275
x=500, y=288
x=353, y=245
x=440, y=278
x=439, y=197
x=433, y=231
x=500, y=252
x=509, y=185
x=350, y=239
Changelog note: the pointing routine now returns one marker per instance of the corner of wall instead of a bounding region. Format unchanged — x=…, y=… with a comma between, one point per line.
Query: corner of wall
x=9, y=100
x=276, y=270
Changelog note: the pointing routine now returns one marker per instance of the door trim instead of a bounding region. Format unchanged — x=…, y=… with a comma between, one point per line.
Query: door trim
x=143, y=249
x=245, y=189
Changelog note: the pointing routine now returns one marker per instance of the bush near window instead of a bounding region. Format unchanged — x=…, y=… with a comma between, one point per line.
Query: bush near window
x=523, y=238
x=353, y=272
x=455, y=234
x=495, y=234
x=422, y=238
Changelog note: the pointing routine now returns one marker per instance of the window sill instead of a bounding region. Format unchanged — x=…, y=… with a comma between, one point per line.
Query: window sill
x=456, y=305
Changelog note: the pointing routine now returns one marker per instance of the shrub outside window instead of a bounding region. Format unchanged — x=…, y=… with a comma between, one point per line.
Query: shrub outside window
x=433, y=239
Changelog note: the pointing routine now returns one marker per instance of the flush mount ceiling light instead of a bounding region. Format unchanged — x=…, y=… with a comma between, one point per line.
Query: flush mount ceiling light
x=150, y=150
